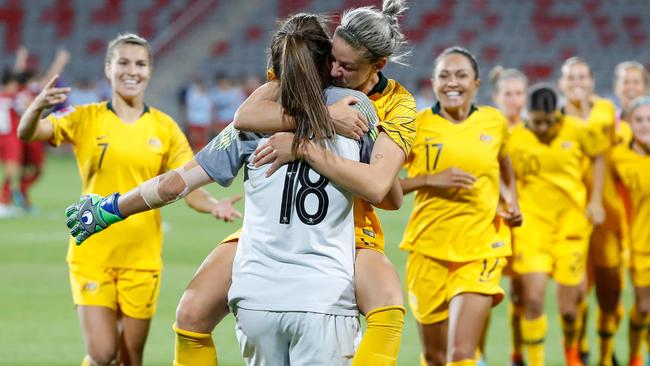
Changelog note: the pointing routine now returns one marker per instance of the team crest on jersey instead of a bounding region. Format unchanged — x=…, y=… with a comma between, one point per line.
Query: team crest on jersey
x=155, y=143
x=485, y=137
x=64, y=111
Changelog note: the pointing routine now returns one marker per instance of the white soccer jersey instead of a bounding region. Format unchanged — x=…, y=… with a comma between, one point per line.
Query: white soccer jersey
x=296, y=250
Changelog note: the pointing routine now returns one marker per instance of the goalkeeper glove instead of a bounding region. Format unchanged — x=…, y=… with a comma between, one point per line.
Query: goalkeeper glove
x=91, y=215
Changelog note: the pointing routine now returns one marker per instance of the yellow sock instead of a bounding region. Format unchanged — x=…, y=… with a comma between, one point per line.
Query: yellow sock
x=515, y=313
x=533, y=333
x=194, y=349
x=607, y=327
x=638, y=328
x=380, y=344
x=581, y=321
x=462, y=363
x=85, y=361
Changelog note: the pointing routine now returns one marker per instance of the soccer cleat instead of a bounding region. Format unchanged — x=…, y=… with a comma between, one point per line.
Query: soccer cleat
x=584, y=357
x=517, y=360
x=636, y=361
x=91, y=215
x=481, y=362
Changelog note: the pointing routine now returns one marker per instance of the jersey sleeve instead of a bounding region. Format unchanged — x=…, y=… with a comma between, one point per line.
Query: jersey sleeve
x=179, y=148
x=399, y=121
x=226, y=154
x=67, y=124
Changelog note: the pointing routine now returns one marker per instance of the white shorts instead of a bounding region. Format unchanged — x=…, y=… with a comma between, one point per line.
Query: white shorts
x=269, y=338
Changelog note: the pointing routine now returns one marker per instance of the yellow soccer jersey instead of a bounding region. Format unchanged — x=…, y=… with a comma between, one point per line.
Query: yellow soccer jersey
x=395, y=107
x=600, y=126
x=455, y=224
x=614, y=211
x=633, y=170
x=116, y=156
x=548, y=175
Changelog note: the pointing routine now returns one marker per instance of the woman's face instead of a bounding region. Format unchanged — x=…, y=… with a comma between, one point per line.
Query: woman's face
x=543, y=124
x=629, y=85
x=640, y=123
x=576, y=82
x=511, y=97
x=349, y=67
x=129, y=70
x=454, y=82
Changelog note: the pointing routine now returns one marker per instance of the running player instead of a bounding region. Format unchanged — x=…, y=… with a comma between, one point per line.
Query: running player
x=604, y=265
x=548, y=155
x=631, y=163
x=362, y=45
x=456, y=242
x=509, y=90
x=631, y=81
x=118, y=144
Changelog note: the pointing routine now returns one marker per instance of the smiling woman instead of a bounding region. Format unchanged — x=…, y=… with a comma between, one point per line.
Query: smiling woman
x=118, y=145
x=456, y=241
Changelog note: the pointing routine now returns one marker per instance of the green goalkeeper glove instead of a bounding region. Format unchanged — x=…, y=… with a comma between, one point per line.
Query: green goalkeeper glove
x=91, y=215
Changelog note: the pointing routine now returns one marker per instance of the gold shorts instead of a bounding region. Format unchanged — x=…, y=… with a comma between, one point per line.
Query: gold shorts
x=432, y=283
x=133, y=292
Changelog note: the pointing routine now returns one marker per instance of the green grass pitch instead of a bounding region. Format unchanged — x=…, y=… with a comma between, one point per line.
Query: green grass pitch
x=38, y=324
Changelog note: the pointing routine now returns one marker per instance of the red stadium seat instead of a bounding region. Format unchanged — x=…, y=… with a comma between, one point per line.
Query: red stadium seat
x=11, y=15
x=109, y=13
x=220, y=48
x=538, y=71
x=62, y=14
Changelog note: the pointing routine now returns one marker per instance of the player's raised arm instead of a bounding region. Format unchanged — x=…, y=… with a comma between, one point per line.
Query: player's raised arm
x=34, y=128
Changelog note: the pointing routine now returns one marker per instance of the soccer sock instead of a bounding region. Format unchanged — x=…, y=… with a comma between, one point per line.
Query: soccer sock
x=638, y=325
x=5, y=195
x=607, y=327
x=380, y=344
x=194, y=348
x=469, y=362
x=533, y=333
x=516, y=314
x=581, y=331
x=85, y=362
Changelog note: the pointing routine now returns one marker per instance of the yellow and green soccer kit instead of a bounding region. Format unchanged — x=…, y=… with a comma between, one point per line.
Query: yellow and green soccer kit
x=554, y=237
x=116, y=156
x=609, y=240
x=633, y=171
x=454, y=236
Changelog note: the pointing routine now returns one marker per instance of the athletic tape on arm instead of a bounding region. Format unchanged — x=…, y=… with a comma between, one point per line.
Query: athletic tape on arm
x=172, y=186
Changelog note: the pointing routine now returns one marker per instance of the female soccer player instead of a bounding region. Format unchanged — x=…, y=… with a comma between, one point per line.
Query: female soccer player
x=284, y=270
x=548, y=155
x=631, y=81
x=509, y=93
x=455, y=243
x=119, y=144
x=509, y=90
x=598, y=116
x=362, y=45
x=631, y=163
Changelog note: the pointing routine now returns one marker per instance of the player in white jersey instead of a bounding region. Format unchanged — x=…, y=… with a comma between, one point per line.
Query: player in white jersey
x=298, y=236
